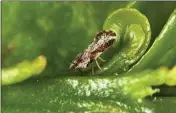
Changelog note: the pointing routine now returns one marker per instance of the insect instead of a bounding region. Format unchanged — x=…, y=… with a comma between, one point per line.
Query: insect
x=103, y=40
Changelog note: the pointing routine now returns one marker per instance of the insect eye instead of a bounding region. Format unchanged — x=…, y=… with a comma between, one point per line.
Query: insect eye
x=110, y=42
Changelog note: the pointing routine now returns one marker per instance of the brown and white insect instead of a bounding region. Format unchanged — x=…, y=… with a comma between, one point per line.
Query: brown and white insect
x=103, y=40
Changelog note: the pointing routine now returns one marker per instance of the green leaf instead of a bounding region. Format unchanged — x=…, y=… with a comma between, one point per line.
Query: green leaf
x=156, y=12
x=161, y=49
x=133, y=37
x=94, y=93
x=23, y=71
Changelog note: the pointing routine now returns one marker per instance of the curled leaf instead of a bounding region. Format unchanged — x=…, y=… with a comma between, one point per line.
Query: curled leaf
x=133, y=36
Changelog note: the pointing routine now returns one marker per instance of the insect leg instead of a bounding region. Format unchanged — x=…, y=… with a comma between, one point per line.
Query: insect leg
x=97, y=64
x=101, y=59
x=80, y=72
x=92, y=71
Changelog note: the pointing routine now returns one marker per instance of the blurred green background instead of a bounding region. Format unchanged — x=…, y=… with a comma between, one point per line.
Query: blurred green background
x=57, y=30
x=60, y=30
